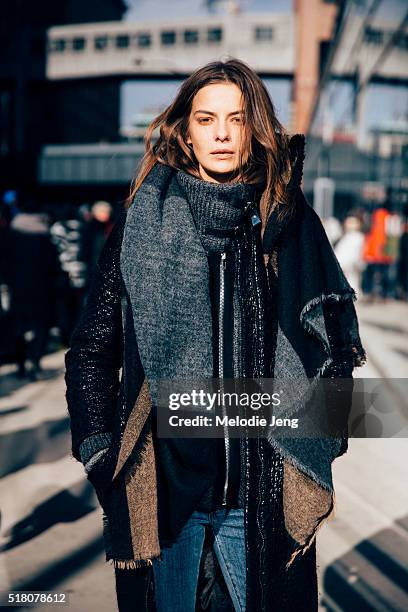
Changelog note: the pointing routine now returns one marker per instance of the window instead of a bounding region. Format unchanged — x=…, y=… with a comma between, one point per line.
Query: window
x=101, y=42
x=373, y=37
x=214, y=34
x=263, y=33
x=122, y=41
x=168, y=38
x=57, y=45
x=191, y=37
x=144, y=39
x=78, y=44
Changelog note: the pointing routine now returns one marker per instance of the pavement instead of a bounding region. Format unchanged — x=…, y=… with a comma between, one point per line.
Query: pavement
x=363, y=549
x=51, y=523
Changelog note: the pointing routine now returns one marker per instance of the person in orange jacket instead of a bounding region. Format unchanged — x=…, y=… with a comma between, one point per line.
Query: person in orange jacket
x=380, y=252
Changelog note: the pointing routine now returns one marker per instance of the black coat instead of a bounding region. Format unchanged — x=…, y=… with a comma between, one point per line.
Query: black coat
x=103, y=342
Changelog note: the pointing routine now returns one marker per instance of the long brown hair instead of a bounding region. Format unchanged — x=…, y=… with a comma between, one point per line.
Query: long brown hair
x=264, y=137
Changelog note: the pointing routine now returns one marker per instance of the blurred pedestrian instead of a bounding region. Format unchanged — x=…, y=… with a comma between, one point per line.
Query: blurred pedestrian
x=333, y=229
x=403, y=261
x=66, y=234
x=85, y=212
x=380, y=252
x=6, y=336
x=5, y=218
x=95, y=234
x=34, y=266
x=349, y=252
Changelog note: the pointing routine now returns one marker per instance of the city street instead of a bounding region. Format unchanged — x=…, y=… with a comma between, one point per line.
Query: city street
x=51, y=523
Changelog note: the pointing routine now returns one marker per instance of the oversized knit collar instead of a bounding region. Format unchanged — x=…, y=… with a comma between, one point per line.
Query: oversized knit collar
x=217, y=208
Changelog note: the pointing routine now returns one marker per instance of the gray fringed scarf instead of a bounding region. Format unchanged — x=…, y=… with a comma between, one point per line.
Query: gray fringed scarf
x=170, y=293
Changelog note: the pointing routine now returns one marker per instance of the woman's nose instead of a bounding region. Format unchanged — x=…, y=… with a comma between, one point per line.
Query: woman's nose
x=222, y=132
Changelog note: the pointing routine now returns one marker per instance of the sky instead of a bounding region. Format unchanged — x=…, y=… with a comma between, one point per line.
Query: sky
x=149, y=9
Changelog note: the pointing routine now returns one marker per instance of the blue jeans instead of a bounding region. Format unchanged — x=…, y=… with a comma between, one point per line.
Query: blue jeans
x=176, y=575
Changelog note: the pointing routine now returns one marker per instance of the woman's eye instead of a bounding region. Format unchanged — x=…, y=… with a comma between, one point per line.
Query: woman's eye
x=208, y=119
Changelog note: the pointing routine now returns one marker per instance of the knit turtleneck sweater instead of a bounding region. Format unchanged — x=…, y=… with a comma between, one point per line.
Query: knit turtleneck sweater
x=217, y=209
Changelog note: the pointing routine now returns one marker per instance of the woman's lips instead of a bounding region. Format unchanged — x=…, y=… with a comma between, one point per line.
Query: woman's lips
x=221, y=155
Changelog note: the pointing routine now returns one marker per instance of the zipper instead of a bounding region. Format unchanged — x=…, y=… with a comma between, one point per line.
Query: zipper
x=223, y=265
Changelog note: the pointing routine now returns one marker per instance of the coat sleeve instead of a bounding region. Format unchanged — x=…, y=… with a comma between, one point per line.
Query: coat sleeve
x=95, y=355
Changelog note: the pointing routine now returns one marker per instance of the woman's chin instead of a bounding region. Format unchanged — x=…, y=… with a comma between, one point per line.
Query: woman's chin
x=220, y=171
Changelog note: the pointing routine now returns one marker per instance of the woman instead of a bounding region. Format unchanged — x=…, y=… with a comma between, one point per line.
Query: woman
x=217, y=268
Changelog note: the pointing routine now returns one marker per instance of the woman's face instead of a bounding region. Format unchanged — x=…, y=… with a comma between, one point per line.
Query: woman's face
x=216, y=124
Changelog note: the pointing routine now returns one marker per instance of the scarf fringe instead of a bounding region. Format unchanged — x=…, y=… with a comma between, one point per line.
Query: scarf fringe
x=301, y=550
x=128, y=564
x=349, y=294
x=358, y=353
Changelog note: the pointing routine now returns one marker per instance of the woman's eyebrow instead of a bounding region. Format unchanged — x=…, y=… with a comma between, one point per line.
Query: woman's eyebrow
x=211, y=113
